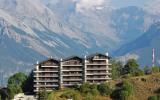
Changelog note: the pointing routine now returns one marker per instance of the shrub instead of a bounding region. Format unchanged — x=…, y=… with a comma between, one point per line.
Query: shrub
x=71, y=94
x=155, y=69
x=126, y=90
x=89, y=97
x=104, y=89
x=43, y=95
x=89, y=88
x=153, y=98
x=85, y=88
x=139, y=72
x=124, y=95
x=93, y=89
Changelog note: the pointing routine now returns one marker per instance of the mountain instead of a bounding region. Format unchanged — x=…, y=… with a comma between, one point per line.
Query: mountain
x=143, y=46
x=33, y=30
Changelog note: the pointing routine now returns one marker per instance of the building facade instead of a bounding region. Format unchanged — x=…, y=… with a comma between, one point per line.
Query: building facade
x=52, y=74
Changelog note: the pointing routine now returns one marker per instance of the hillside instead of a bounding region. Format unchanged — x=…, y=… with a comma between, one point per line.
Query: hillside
x=144, y=87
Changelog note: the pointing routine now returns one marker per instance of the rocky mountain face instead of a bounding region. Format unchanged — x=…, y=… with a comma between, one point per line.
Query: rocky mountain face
x=143, y=46
x=32, y=30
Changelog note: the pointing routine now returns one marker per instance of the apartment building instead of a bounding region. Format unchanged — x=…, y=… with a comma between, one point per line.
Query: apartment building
x=97, y=68
x=46, y=75
x=72, y=71
x=52, y=73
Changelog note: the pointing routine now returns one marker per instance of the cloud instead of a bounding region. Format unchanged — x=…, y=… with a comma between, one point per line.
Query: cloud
x=126, y=57
x=153, y=7
x=86, y=5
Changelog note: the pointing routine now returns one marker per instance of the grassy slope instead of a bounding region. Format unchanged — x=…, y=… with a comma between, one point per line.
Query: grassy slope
x=144, y=86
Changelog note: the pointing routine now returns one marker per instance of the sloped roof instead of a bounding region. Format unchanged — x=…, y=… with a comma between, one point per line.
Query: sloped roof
x=50, y=59
x=71, y=57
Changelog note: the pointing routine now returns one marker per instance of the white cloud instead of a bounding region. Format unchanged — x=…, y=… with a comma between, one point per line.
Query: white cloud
x=86, y=5
x=153, y=7
x=126, y=57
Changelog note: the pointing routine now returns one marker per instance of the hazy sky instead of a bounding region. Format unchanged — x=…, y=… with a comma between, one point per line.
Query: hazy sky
x=123, y=3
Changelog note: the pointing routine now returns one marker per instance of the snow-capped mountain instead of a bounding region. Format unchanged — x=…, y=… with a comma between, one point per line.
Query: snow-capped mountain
x=32, y=30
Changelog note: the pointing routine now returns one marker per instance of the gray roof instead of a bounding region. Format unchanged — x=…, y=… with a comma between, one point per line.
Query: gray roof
x=95, y=54
x=70, y=57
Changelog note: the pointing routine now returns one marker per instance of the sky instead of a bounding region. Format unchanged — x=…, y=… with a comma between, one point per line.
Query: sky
x=124, y=3
x=152, y=6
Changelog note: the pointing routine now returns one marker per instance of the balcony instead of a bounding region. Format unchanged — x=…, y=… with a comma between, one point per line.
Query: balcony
x=45, y=81
x=46, y=71
x=98, y=63
x=54, y=85
x=96, y=68
x=72, y=74
x=48, y=90
x=72, y=65
x=52, y=66
x=46, y=75
x=78, y=79
x=72, y=69
x=96, y=73
x=107, y=78
x=71, y=84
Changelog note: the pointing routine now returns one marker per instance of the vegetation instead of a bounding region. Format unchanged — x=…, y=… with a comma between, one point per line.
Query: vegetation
x=15, y=84
x=132, y=68
x=155, y=69
x=28, y=84
x=86, y=88
x=126, y=90
x=43, y=95
x=156, y=97
x=71, y=94
x=116, y=69
x=129, y=83
x=104, y=89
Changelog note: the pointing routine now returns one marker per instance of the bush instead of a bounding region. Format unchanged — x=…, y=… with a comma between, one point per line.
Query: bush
x=89, y=97
x=89, y=88
x=126, y=90
x=71, y=94
x=155, y=69
x=104, y=89
x=93, y=90
x=139, y=72
x=124, y=95
x=153, y=98
x=85, y=88
x=43, y=95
